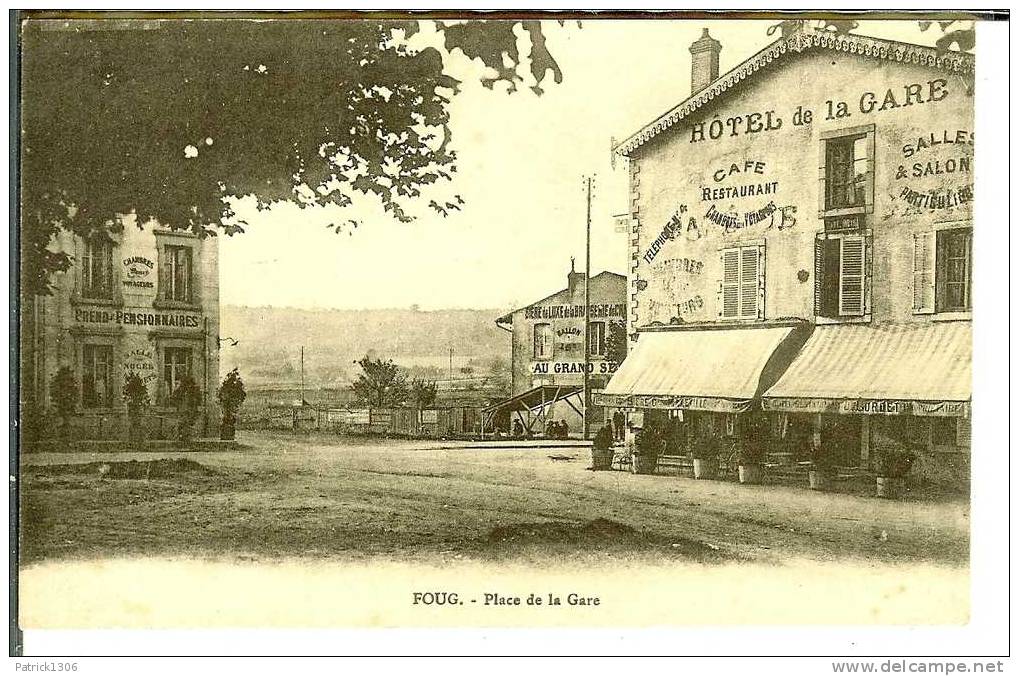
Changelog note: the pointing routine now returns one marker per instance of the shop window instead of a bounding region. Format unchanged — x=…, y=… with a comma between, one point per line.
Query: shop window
x=742, y=284
x=97, y=376
x=177, y=279
x=176, y=367
x=841, y=275
x=97, y=269
x=847, y=171
x=943, y=271
x=596, y=338
x=950, y=432
x=542, y=341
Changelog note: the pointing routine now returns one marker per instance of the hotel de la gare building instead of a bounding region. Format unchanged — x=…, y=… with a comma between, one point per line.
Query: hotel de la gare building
x=136, y=300
x=801, y=253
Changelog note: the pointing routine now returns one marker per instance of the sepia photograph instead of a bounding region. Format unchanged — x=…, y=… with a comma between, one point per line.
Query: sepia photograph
x=452, y=319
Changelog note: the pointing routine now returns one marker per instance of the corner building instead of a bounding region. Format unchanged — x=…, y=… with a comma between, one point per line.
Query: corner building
x=801, y=252
x=136, y=300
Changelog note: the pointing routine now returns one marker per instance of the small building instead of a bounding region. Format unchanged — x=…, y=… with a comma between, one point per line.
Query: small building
x=801, y=252
x=138, y=300
x=548, y=353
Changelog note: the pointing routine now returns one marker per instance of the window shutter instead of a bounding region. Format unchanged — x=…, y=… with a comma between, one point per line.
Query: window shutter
x=962, y=432
x=819, y=272
x=923, y=271
x=868, y=192
x=730, y=284
x=749, y=282
x=822, y=175
x=851, y=276
x=165, y=271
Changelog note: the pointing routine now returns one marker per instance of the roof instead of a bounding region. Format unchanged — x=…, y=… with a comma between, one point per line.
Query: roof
x=508, y=317
x=800, y=40
x=536, y=397
x=716, y=370
x=915, y=362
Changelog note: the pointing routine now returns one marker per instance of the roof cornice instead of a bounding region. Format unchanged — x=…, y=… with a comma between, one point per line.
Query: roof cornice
x=801, y=40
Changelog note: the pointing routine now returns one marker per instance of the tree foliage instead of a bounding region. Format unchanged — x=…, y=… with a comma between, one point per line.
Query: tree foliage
x=380, y=383
x=231, y=393
x=615, y=342
x=64, y=392
x=423, y=392
x=169, y=119
x=136, y=395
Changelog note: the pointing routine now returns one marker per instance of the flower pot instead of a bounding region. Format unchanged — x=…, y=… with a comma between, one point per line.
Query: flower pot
x=644, y=463
x=889, y=487
x=819, y=480
x=705, y=468
x=601, y=458
x=750, y=473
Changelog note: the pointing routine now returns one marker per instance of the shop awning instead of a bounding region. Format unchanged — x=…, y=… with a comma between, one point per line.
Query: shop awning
x=919, y=369
x=705, y=369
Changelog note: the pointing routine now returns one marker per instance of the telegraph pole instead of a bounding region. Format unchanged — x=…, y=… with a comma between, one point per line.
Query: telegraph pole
x=587, y=319
x=302, y=376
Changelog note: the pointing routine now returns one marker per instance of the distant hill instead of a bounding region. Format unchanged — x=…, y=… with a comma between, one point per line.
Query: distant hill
x=269, y=341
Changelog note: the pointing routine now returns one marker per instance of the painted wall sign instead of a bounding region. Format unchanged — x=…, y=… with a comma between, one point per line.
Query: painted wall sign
x=141, y=363
x=939, y=198
x=184, y=320
x=572, y=311
x=671, y=231
x=869, y=406
x=732, y=220
x=137, y=269
x=568, y=367
x=914, y=93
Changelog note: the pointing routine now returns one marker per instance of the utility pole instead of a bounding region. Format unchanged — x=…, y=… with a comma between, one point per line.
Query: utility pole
x=302, y=376
x=450, y=367
x=587, y=319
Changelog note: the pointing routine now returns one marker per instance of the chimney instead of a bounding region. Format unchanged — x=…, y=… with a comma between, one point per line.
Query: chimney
x=573, y=279
x=704, y=62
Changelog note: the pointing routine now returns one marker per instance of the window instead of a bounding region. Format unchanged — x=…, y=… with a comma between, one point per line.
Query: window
x=176, y=367
x=742, y=287
x=177, y=274
x=847, y=171
x=841, y=270
x=97, y=376
x=596, y=338
x=97, y=269
x=542, y=341
x=943, y=270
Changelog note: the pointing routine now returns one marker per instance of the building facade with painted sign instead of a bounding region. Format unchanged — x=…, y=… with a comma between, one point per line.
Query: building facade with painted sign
x=801, y=248
x=139, y=301
x=548, y=343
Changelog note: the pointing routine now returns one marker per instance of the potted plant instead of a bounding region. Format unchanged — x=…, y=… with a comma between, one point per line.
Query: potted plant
x=647, y=446
x=822, y=467
x=705, y=458
x=64, y=395
x=601, y=449
x=136, y=397
x=891, y=467
x=750, y=459
x=231, y=396
x=187, y=399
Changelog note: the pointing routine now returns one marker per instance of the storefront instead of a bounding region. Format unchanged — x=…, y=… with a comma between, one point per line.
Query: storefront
x=704, y=382
x=886, y=388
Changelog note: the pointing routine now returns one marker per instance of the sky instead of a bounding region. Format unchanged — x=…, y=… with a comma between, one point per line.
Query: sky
x=522, y=162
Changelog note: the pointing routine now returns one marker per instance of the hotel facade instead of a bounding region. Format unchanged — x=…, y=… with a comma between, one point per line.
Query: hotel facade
x=801, y=252
x=136, y=300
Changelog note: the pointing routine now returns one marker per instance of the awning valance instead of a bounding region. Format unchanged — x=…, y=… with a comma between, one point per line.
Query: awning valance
x=709, y=369
x=918, y=369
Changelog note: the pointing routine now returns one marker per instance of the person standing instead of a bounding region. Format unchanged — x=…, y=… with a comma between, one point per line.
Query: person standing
x=618, y=426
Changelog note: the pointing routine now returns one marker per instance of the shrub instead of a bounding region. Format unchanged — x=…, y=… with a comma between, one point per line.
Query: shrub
x=648, y=441
x=602, y=439
x=894, y=464
x=187, y=399
x=706, y=448
x=64, y=396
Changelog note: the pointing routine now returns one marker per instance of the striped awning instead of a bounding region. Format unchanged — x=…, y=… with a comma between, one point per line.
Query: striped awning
x=709, y=369
x=918, y=369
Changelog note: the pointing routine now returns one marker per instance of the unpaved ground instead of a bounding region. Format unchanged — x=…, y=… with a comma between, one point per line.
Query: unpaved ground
x=322, y=497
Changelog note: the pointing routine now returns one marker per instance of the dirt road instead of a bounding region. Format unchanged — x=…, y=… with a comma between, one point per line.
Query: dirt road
x=323, y=497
